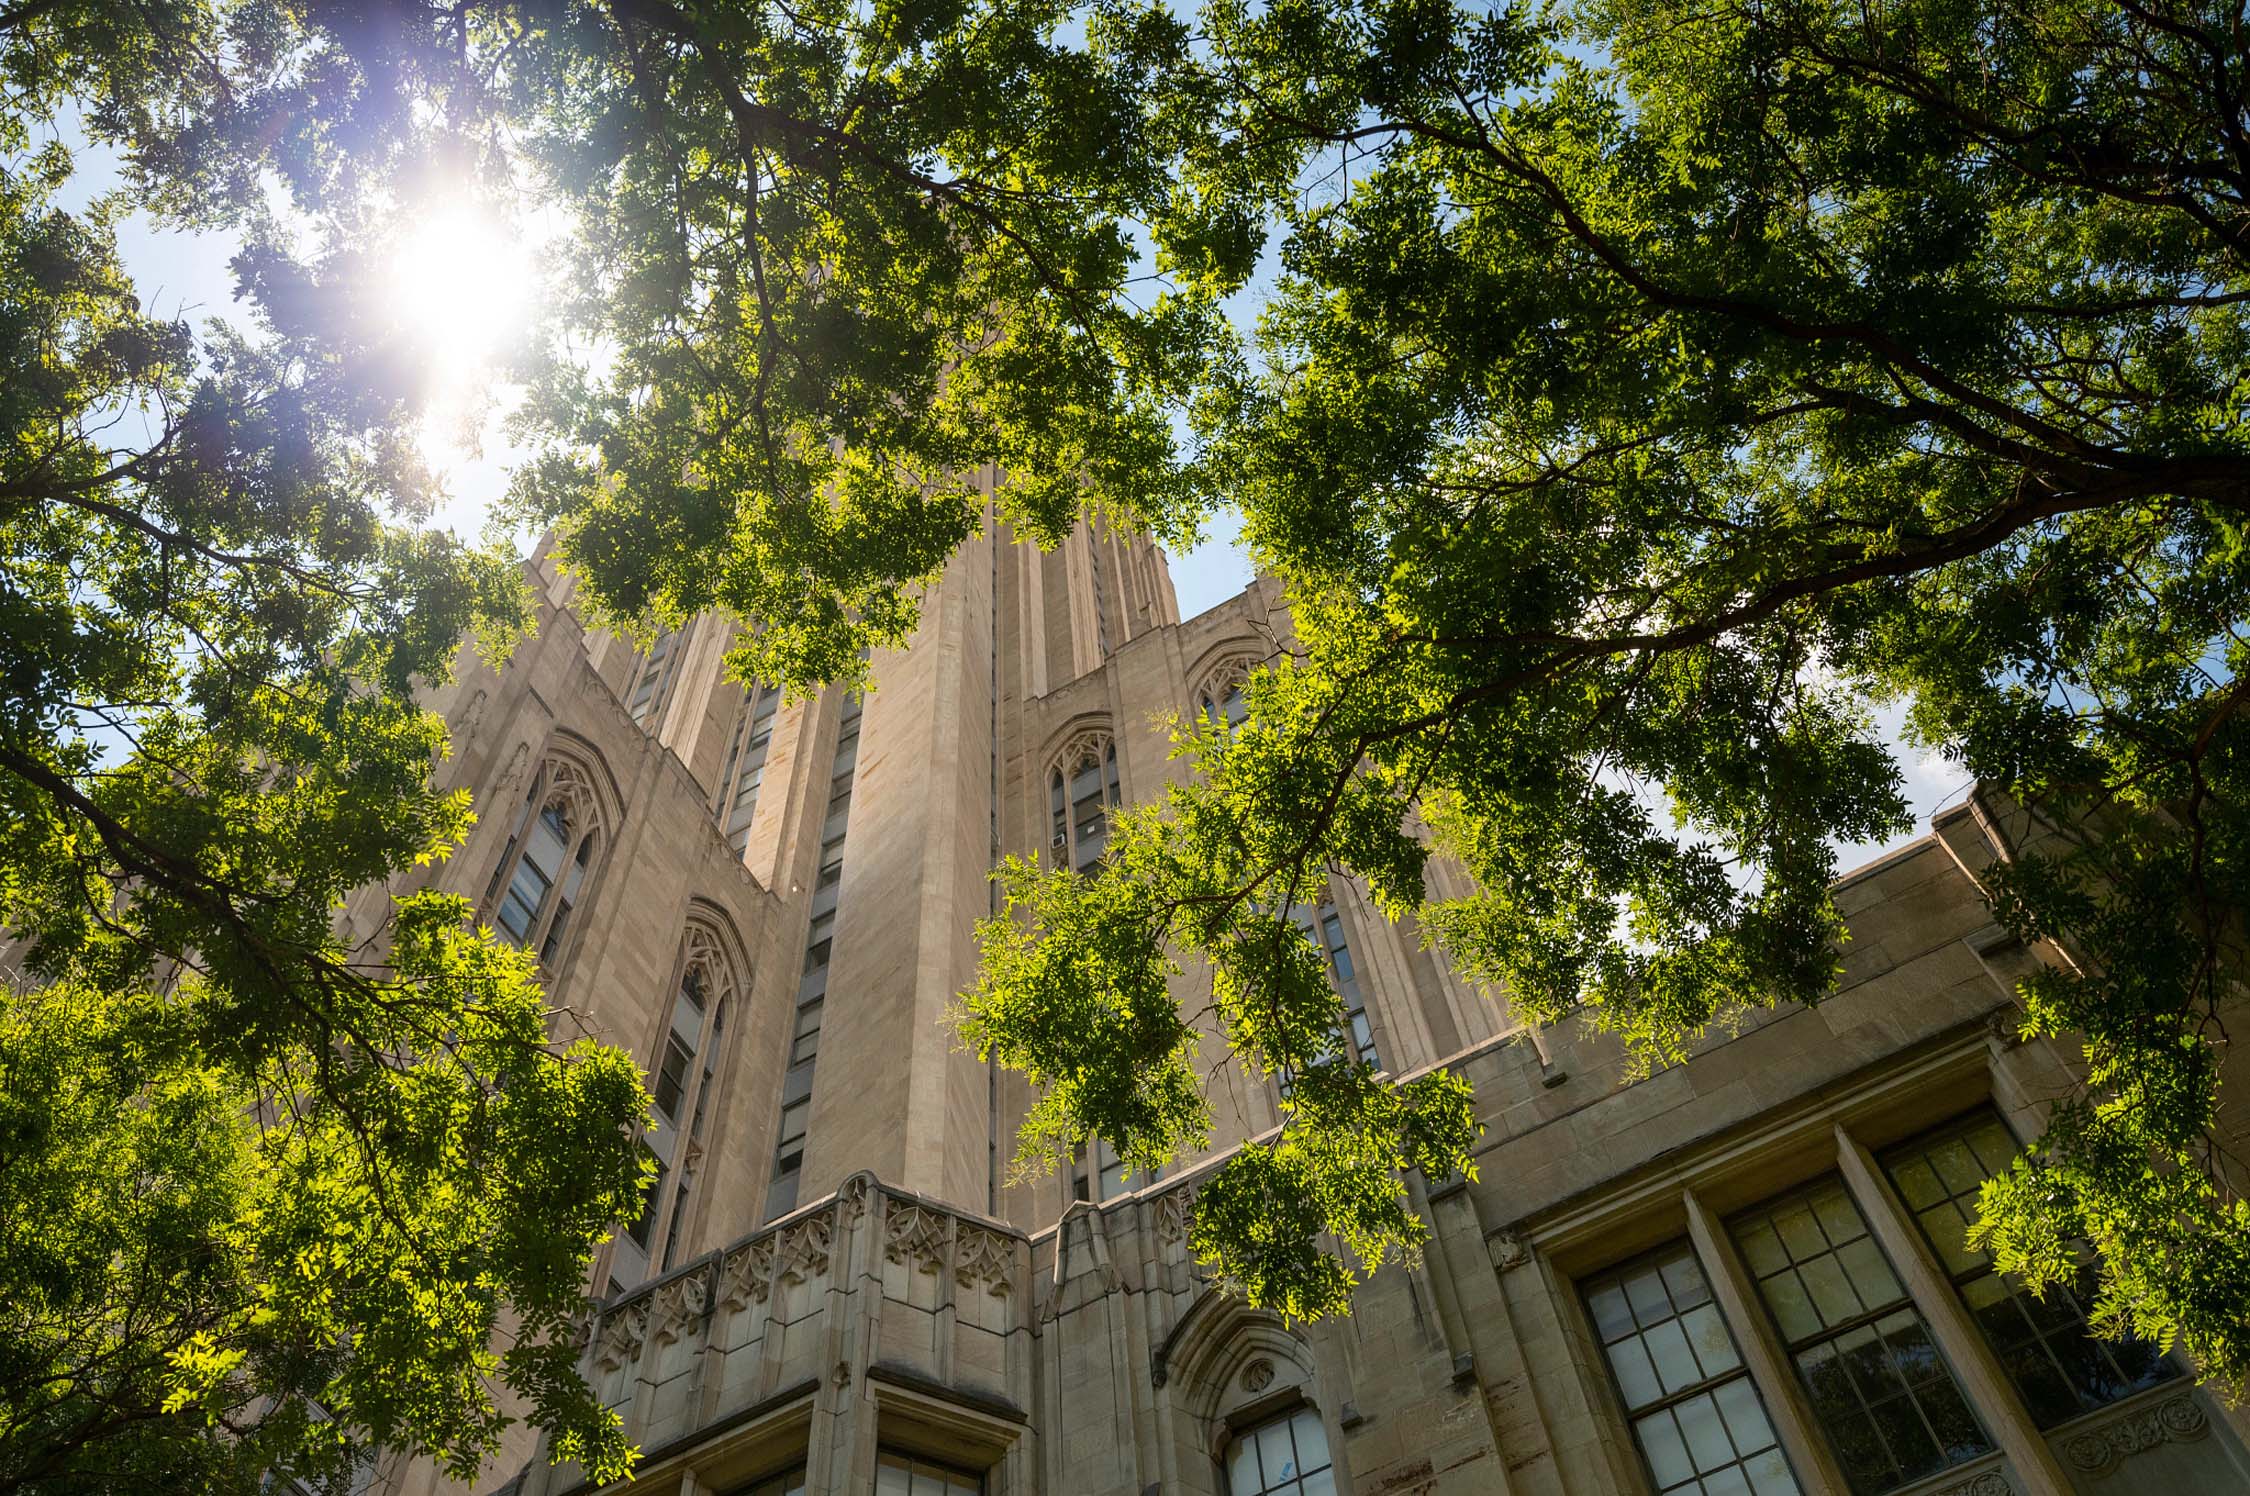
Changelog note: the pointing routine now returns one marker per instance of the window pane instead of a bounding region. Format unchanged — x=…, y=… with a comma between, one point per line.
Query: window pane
x=1708, y=1419
x=1885, y=1398
x=1675, y=1365
x=1707, y=1334
x=2058, y=1365
x=1609, y=1312
x=1666, y=1450
x=1277, y=1457
x=1705, y=1434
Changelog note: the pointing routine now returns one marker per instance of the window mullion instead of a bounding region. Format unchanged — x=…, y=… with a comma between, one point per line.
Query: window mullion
x=1763, y=1354
x=1930, y=1289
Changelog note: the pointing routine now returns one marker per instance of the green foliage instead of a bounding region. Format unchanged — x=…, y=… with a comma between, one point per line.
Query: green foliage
x=265, y=1197
x=1646, y=393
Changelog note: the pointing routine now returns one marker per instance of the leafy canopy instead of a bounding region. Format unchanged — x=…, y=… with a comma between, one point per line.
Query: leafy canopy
x=1648, y=390
x=1645, y=391
x=265, y=1196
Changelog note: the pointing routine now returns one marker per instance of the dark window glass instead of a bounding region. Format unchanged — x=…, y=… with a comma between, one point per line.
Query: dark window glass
x=1696, y=1417
x=2058, y=1364
x=671, y=1078
x=1888, y=1401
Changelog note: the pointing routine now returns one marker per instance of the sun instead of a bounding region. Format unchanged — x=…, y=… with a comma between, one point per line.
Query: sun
x=461, y=283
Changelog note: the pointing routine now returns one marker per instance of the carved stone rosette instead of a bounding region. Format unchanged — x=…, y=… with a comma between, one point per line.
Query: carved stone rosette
x=1983, y=1483
x=2178, y=1419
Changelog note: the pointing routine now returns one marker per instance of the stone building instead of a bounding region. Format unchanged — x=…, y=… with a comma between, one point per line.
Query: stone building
x=1744, y=1274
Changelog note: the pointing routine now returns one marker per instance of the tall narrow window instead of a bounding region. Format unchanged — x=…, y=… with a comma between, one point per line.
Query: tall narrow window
x=1353, y=1035
x=1082, y=790
x=653, y=682
x=812, y=986
x=1284, y=1456
x=543, y=870
x=746, y=765
x=1110, y=1172
x=2059, y=1365
x=683, y=1081
x=1696, y=1416
x=1884, y=1394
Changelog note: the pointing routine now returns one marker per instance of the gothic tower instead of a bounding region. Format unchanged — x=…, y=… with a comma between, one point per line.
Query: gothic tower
x=1739, y=1275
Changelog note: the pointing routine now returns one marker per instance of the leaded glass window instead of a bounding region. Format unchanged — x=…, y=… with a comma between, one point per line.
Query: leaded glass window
x=1080, y=796
x=1284, y=1456
x=905, y=1475
x=1885, y=1396
x=541, y=875
x=1696, y=1416
x=2059, y=1365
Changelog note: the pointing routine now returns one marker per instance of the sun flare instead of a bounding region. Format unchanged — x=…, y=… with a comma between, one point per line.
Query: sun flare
x=462, y=281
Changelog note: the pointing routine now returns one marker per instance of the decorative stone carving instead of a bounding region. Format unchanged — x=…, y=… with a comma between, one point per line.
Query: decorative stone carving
x=1257, y=1376
x=1175, y=1213
x=1087, y=745
x=1983, y=1483
x=986, y=1257
x=676, y=1308
x=707, y=961
x=570, y=789
x=851, y=1202
x=1223, y=676
x=1508, y=1250
x=915, y=1237
x=2004, y=1026
x=746, y=1274
x=2178, y=1419
x=504, y=790
x=622, y=1333
x=802, y=1249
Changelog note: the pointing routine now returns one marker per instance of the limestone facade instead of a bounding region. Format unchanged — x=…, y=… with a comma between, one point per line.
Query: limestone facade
x=1731, y=1276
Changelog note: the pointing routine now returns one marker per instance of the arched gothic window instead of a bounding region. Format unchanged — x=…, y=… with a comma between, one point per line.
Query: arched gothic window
x=1081, y=792
x=1219, y=698
x=684, y=1080
x=542, y=874
x=1287, y=1455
